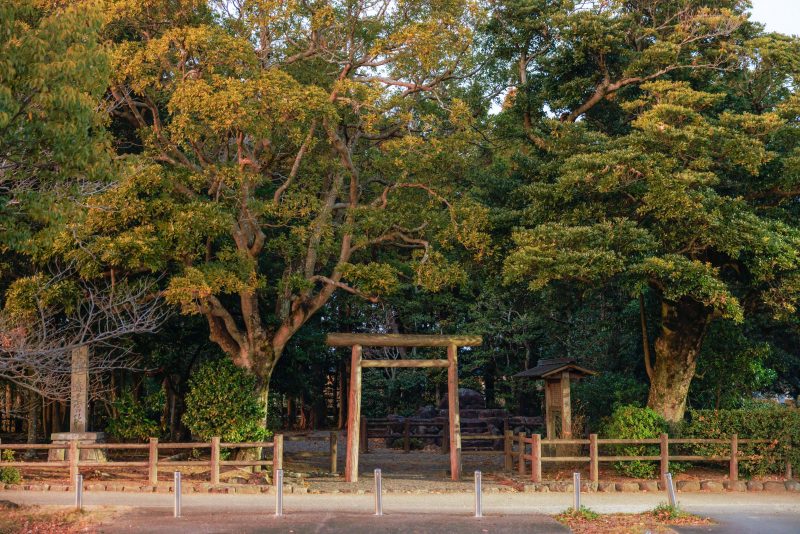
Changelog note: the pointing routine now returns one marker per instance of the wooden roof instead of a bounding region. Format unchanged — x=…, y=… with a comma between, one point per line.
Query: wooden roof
x=401, y=340
x=552, y=367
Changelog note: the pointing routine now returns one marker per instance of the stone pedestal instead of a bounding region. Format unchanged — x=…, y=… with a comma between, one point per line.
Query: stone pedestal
x=78, y=414
x=83, y=438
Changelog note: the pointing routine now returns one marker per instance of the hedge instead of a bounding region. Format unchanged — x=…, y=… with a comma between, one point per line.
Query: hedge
x=780, y=425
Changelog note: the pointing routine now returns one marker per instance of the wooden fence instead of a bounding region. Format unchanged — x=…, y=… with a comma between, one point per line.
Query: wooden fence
x=333, y=448
x=594, y=458
x=402, y=429
x=153, y=463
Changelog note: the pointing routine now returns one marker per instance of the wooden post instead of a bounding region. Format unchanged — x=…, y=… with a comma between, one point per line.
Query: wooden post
x=508, y=447
x=73, y=462
x=536, y=458
x=521, y=447
x=152, y=462
x=353, y=416
x=734, y=470
x=215, y=460
x=664, y=442
x=788, y=470
x=406, y=436
x=566, y=407
x=453, y=412
x=594, y=464
x=548, y=411
x=334, y=445
x=277, y=452
x=445, y=439
x=363, y=436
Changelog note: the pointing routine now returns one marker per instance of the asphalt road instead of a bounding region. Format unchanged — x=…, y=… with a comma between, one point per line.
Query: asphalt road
x=760, y=513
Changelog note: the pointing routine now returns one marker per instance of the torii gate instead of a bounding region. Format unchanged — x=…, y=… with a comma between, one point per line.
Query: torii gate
x=357, y=341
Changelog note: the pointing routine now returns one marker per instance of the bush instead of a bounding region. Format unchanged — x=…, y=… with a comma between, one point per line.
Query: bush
x=632, y=422
x=600, y=395
x=9, y=475
x=222, y=402
x=136, y=420
x=780, y=425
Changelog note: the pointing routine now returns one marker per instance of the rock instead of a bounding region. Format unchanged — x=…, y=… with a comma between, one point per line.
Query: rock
x=299, y=489
x=467, y=398
x=649, y=485
x=627, y=486
x=248, y=490
x=428, y=412
x=687, y=485
x=737, y=485
x=792, y=485
x=530, y=488
x=774, y=485
x=606, y=487
x=711, y=485
x=561, y=486
x=754, y=485
x=59, y=487
x=8, y=505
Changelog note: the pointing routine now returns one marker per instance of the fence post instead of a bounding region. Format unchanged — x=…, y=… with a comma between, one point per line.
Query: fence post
x=215, y=460
x=521, y=447
x=363, y=435
x=406, y=436
x=594, y=463
x=508, y=446
x=788, y=470
x=277, y=454
x=664, y=442
x=152, y=462
x=536, y=457
x=734, y=472
x=334, y=443
x=445, y=439
x=73, y=460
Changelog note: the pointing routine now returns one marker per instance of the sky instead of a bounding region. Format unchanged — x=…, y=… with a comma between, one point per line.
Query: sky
x=779, y=15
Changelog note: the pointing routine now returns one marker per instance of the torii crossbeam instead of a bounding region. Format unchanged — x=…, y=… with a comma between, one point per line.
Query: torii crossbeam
x=357, y=341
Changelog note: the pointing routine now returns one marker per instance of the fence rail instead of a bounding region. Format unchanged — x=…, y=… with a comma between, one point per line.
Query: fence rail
x=536, y=458
x=153, y=463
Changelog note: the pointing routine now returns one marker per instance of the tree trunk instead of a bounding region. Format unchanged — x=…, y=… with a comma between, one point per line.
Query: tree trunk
x=683, y=328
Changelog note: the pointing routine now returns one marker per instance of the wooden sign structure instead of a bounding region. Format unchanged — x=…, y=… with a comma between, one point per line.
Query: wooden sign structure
x=357, y=341
x=557, y=375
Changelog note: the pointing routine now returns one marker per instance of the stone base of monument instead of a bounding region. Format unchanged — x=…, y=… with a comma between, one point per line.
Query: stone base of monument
x=83, y=438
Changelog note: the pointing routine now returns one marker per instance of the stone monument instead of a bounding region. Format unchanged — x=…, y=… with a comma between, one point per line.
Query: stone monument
x=78, y=413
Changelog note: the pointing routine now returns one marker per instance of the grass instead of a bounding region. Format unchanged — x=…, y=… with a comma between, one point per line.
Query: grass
x=658, y=520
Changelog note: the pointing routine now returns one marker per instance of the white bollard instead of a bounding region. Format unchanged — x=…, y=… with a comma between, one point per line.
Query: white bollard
x=671, y=491
x=278, y=492
x=478, y=495
x=378, y=493
x=78, y=492
x=576, y=483
x=177, y=487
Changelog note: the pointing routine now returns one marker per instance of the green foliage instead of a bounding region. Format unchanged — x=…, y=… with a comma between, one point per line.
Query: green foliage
x=666, y=511
x=600, y=395
x=222, y=402
x=584, y=513
x=633, y=422
x=137, y=420
x=779, y=425
x=9, y=475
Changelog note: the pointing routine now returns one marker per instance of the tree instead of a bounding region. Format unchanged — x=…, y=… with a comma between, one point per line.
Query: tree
x=281, y=144
x=658, y=208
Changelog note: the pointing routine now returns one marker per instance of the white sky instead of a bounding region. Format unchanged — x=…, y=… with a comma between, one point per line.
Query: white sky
x=779, y=15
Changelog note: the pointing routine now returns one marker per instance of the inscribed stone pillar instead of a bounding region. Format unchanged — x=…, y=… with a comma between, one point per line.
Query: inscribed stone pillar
x=79, y=397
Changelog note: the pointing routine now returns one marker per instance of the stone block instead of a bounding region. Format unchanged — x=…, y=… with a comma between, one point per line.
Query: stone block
x=606, y=487
x=58, y=487
x=627, y=486
x=711, y=485
x=649, y=485
x=792, y=485
x=774, y=485
x=248, y=490
x=687, y=485
x=737, y=485
x=755, y=485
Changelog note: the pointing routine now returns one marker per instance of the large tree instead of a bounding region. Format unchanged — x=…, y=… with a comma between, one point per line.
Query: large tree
x=677, y=176
x=276, y=147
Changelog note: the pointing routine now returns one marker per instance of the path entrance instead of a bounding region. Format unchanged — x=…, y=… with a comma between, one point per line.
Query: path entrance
x=357, y=341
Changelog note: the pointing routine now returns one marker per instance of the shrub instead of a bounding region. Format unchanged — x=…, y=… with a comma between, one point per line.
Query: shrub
x=600, y=395
x=9, y=475
x=632, y=422
x=779, y=425
x=222, y=402
x=136, y=420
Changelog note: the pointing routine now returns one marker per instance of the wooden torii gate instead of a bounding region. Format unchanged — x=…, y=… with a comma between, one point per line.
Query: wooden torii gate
x=357, y=341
